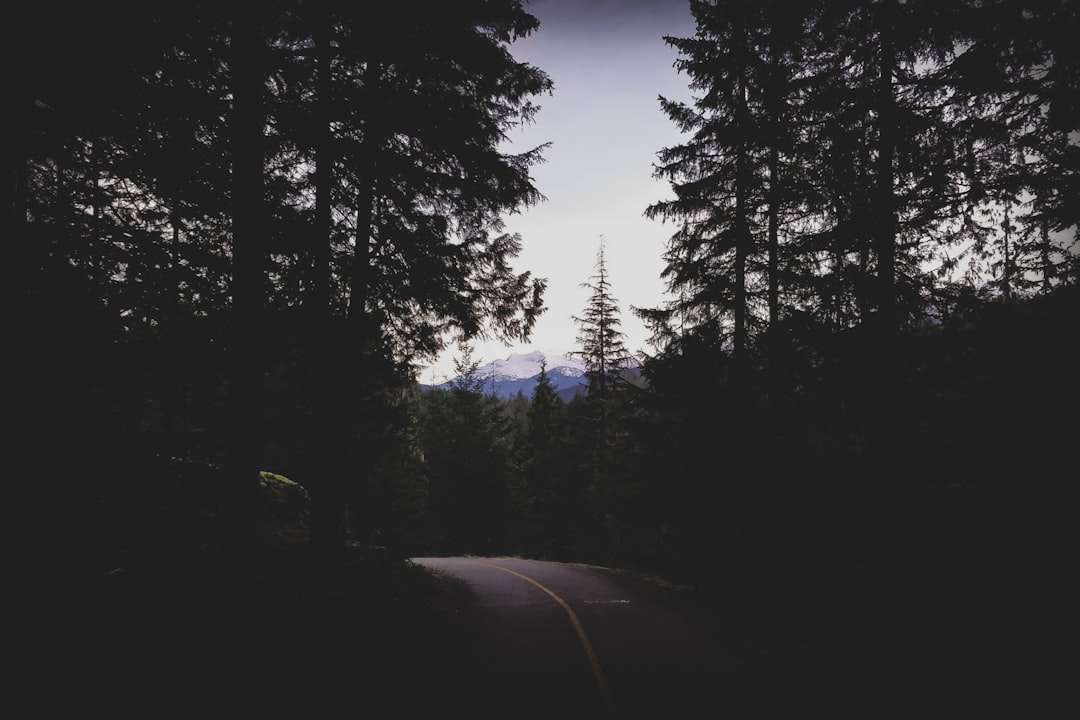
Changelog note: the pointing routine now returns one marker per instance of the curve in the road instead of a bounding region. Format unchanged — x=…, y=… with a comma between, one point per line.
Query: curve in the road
x=598, y=671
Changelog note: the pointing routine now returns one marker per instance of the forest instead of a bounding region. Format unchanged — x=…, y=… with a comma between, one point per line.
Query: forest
x=239, y=229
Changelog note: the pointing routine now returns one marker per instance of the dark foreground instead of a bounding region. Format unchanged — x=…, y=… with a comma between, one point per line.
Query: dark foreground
x=177, y=635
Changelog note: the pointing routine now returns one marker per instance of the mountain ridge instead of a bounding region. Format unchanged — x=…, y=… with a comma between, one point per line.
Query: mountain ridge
x=520, y=373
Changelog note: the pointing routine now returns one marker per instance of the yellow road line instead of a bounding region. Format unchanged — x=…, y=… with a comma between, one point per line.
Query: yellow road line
x=605, y=692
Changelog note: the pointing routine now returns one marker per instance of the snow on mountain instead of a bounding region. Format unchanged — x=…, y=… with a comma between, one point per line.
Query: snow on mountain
x=522, y=366
x=520, y=372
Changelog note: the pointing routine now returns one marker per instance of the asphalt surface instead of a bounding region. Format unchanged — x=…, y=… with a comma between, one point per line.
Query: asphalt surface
x=561, y=640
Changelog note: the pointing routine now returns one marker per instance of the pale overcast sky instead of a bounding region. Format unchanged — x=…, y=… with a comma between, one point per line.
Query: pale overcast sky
x=609, y=63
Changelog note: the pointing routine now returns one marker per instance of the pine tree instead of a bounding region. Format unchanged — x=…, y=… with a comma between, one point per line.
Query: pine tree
x=598, y=417
x=546, y=418
x=1014, y=87
x=248, y=267
x=420, y=252
x=602, y=343
x=545, y=467
x=468, y=461
x=375, y=199
x=715, y=176
x=741, y=189
x=466, y=367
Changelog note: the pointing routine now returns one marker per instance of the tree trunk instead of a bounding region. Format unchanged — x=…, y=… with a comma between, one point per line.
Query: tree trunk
x=361, y=341
x=247, y=286
x=1007, y=259
x=885, y=237
x=774, y=235
x=742, y=235
x=361, y=330
x=321, y=466
x=891, y=528
x=1044, y=249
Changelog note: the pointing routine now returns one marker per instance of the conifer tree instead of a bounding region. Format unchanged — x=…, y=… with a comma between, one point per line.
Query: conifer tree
x=602, y=344
x=1013, y=97
x=420, y=251
x=740, y=187
x=715, y=176
x=382, y=188
x=467, y=448
x=546, y=417
x=597, y=416
x=247, y=123
x=545, y=469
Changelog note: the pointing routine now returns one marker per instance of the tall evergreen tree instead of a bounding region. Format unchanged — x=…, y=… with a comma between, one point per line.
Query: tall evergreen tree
x=247, y=122
x=1013, y=85
x=319, y=298
x=715, y=176
x=602, y=345
x=739, y=184
x=546, y=417
x=597, y=417
x=467, y=449
x=382, y=187
x=545, y=468
x=420, y=251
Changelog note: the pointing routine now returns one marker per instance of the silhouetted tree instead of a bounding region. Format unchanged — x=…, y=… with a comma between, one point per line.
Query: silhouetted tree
x=1013, y=97
x=366, y=184
x=598, y=415
x=247, y=122
x=467, y=450
x=545, y=468
x=602, y=345
x=319, y=299
x=714, y=175
x=421, y=186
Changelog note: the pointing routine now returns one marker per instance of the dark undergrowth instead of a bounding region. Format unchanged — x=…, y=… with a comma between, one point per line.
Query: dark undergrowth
x=128, y=606
x=167, y=621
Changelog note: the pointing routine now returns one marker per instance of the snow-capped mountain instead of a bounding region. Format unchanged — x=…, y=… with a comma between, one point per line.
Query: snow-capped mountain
x=521, y=372
x=522, y=366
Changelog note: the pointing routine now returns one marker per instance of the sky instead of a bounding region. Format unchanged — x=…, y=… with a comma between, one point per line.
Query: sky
x=609, y=64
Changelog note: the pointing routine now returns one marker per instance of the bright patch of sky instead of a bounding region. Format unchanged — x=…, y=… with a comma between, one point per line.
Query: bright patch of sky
x=609, y=64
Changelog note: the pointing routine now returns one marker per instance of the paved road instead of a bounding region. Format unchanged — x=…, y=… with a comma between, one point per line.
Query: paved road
x=552, y=639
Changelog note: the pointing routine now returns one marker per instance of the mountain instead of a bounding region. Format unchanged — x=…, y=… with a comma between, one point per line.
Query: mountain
x=520, y=372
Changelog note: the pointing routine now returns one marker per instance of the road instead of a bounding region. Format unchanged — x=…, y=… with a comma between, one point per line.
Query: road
x=555, y=640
